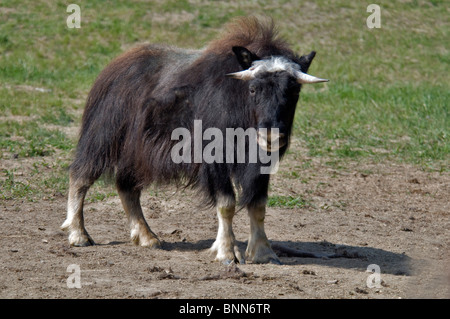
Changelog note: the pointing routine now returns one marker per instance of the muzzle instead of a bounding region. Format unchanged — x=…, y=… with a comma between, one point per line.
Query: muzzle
x=270, y=141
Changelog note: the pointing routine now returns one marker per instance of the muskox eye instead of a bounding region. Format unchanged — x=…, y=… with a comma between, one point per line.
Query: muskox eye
x=252, y=90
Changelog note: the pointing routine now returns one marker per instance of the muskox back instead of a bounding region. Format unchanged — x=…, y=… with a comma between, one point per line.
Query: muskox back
x=123, y=102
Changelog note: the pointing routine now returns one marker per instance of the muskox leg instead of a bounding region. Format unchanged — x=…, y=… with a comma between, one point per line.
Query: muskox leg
x=74, y=222
x=225, y=245
x=258, y=248
x=141, y=233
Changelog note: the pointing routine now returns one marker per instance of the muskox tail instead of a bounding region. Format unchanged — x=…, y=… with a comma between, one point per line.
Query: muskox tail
x=103, y=127
x=110, y=110
x=98, y=147
x=92, y=157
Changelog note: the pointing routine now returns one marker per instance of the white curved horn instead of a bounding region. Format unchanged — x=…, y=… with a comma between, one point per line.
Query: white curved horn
x=242, y=75
x=303, y=78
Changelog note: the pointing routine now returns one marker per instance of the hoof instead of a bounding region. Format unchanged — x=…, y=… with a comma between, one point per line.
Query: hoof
x=227, y=256
x=152, y=243
x=86, y=243
x=141, y=235
x=80, y=239
x=262, y=254
x=146, y=241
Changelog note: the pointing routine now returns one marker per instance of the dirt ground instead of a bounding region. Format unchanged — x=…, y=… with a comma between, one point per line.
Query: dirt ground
x=395, y=216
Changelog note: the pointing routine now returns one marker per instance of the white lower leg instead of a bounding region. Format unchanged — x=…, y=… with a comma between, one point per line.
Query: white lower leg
x=224, y=246
x=74, y=222
x=140, y=232
x=258, y=248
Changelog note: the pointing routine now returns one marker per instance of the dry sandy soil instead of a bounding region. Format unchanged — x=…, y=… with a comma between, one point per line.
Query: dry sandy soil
x=395, y=216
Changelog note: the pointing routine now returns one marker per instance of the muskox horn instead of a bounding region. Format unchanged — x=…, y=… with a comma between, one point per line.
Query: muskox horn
x=242, y=75
x=303, y=78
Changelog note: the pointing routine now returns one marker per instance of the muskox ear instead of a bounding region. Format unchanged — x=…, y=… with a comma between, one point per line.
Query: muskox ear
x=245, y=57
x=305, y=61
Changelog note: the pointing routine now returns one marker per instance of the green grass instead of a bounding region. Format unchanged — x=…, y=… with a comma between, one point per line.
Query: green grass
x=43, y=181
x=387, y=99
x=29, y=139
x=402, y=122
x=287, y=201
x=11, y=188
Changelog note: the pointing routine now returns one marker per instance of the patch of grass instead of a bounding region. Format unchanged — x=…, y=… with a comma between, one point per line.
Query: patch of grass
x=30, y=139
x=287, y=201
x=96, y=196
x=58, y=116
x=43, y=181
x=404, y=123
x=10, y=188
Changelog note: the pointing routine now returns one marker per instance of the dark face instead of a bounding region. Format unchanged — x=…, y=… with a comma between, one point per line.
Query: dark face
x=273, y=97
x=273, y=88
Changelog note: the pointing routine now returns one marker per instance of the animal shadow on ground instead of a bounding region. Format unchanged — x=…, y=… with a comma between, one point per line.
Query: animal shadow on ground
x=320, y=253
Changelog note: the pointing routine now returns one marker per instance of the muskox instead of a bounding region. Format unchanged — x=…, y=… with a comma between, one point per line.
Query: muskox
x=247, y=78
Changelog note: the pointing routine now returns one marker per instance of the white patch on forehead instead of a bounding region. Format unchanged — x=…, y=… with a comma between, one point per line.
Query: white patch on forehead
x=274, y=64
